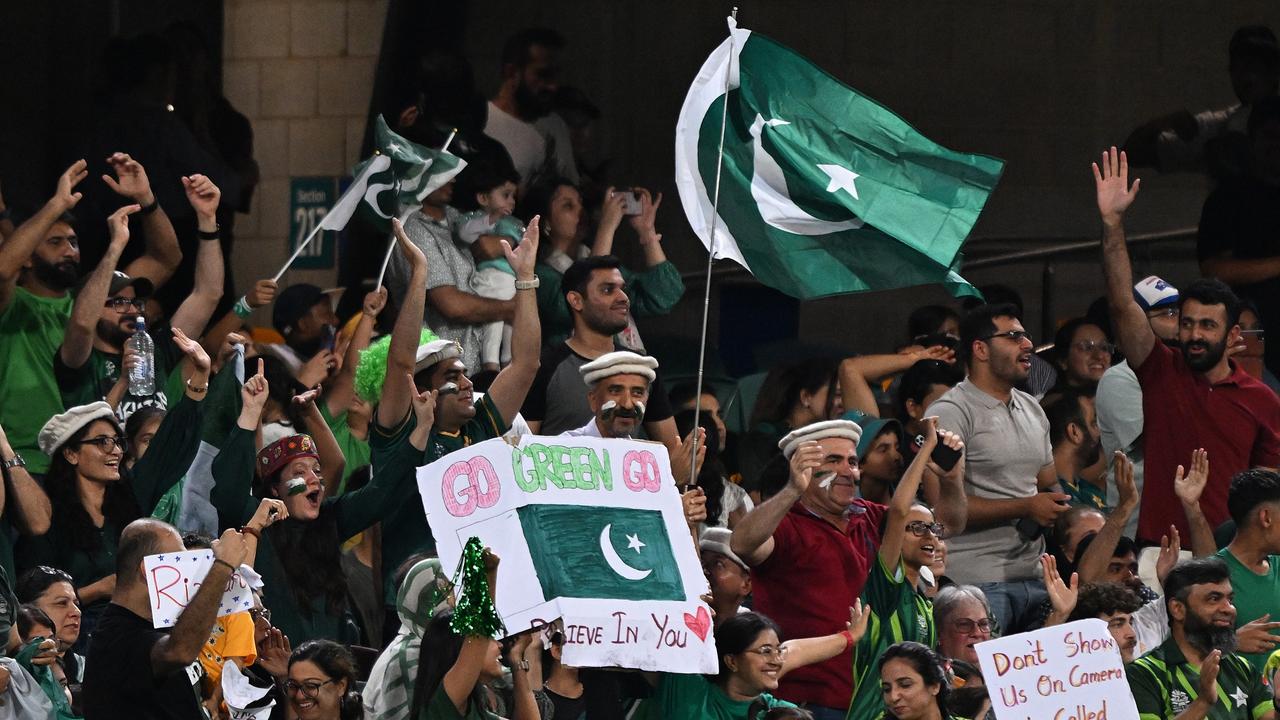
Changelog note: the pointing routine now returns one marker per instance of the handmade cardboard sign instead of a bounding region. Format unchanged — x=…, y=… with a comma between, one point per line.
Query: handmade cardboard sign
x=1065, y=672
x=173, y=578
x=589, y=530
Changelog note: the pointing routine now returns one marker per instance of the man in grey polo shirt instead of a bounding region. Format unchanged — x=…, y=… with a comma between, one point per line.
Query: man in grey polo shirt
x=1009, y=476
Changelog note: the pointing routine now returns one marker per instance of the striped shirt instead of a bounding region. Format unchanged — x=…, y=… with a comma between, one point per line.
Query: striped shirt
x=1164, y=684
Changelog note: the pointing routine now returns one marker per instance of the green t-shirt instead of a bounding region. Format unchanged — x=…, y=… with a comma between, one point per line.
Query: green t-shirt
x=93, y=380
x=354, y=450
x=31, y=331
x=405, y=530
x=442, y=708
x=899, y=614
x=1164, y=685
x=1084, y=493
x=693, y=697
x=1256, y=595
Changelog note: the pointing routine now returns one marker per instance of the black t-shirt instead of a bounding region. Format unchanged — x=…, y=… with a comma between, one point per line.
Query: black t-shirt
x=558, y=398
x=1242, y=217
x=118, y=680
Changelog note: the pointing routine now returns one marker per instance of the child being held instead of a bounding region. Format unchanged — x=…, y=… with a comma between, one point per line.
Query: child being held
x=481, y=231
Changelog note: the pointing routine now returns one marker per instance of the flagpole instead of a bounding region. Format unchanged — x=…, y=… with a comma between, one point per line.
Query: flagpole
x=711, y=256
x=296, y=253
x=391, y=246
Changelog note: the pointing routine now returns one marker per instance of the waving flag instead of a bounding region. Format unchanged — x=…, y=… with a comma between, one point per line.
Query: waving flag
x=399, y=177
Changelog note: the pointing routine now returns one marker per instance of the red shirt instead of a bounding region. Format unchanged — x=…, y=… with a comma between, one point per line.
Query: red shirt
x=807, y=586
x=1235, y=420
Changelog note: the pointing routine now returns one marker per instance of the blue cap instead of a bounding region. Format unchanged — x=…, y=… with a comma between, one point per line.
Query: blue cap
x=872, y=428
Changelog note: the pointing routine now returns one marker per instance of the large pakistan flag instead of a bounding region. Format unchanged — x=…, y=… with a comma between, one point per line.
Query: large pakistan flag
x=822, y=190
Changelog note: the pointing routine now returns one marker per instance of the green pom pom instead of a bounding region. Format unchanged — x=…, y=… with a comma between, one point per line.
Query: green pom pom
x=371, y=372
x=474, y=614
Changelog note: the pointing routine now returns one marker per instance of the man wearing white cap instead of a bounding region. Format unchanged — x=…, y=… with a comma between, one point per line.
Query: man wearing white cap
x=617, y=391
x=728, y=575
x=811, y=546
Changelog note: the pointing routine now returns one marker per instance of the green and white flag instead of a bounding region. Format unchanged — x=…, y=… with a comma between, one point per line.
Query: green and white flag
x=823, y=191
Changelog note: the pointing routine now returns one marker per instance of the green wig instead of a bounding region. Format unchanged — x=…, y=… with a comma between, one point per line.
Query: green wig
x=371, y=372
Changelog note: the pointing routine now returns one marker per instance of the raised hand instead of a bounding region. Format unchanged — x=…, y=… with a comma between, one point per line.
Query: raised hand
x=645, y=224
x=1208, y=687
x=694, y=503
x=1126, y=486
x=317, y=368
x=411, y=252
x=937, y=352
x=202, y=194
x=1255, y=637
x=306, y=401
x=374, y=302
x=193, y=350
x=230, y=548
x=859, y=615
x=274, y=652
x=254, y=394
x=682, y=456
x=133, y=182
x=1190, y=486
x=1170, y=548
x=269, y=512
x=491, y=561
x=1061, y=595
x=66, y=197
x=263, y=293
x=118, y=225
x=1112, y=184
x=525, y=257
x=612, y=210
x=424, y=405
x=806, y=459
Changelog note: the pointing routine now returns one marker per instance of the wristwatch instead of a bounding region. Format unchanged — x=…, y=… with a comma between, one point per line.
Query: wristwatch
x=16, y=461
x=528, y=284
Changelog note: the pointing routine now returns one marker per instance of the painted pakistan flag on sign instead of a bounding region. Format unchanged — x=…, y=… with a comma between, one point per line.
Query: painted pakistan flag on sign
x=590, y=531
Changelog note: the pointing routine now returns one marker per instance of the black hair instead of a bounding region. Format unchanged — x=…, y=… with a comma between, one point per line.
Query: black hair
x=1249, y=489
x=32, y=583
x=918, y=381
x=1196, y=571
x=711, y=477
x=774, y=476
x=30, y=616
x=1064, y=409
x=979, y=323
x=925, y=662
x=782, y=387
x=310, y=553
x=682, y=393
x=193, y=540
x=119, y=505
x=1210, y=291
x=1104, y=598
x=536, y=200
x=484, y=175
x=337, y=662
x=441, y=647
x=577, y=276
x=966, y=701
x=1066, y=333
x=1254, y=42
x=737, y=634
x=138, y=420
x=928, y=319
x=995, y=294
x=517, y=48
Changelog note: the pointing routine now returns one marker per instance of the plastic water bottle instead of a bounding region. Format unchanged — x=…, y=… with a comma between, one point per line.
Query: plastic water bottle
x=142, y=378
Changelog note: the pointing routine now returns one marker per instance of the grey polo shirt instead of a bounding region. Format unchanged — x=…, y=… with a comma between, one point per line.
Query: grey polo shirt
x=1006, y=446
x=1119, y=406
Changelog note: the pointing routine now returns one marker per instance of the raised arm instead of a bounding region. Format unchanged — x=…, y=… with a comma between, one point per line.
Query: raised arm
x=31, y=511
x=162, y=254
x=611, y=214
x=332, y=460
x=1188, y=488
x=904, y=495
x=192, y=316
x=182, y=645
x=461, y=679
x=16, y=250
x=77, y=343
x=807, y=651
x=512, y=384
x=394, y=403
x=1092, y=564
x=263, y=293
x=752, y=538
x=270, y=511
x=343, y=388
x=1115, y=194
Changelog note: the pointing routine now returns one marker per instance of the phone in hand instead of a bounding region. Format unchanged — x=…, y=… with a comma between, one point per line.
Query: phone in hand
x=330, y=339
x=944, y=456
x=630, y=202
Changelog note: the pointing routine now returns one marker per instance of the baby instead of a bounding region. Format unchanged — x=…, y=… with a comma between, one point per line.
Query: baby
x=481, y=231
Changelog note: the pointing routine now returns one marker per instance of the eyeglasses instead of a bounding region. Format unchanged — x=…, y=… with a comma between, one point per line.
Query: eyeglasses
x=105, y=443
x=769, y=652
x=919, y=528
x=966, y=626
x=1014, y=335
x=308, y=688
x=120, y=304
x=1258, y=334
x=1089, y=347
x=264, y=614
x=1168, y=312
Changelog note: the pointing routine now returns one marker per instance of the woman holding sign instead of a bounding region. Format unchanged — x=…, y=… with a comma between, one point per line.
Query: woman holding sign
x=913, y=683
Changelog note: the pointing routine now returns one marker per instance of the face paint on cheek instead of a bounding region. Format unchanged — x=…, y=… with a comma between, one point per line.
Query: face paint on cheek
x=608, y=407
x=449, y=388
x=825, y=479
x=296, y=486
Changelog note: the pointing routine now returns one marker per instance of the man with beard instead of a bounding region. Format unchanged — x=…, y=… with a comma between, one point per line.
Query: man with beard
x=92, y=363
x=619, y=389
x=1010, y=480
x=39, y=264
x=595, y=293
x=1196, y=674
x=520, y=114
x=1254, y=503
x=1195, y=397
x=1077, y=444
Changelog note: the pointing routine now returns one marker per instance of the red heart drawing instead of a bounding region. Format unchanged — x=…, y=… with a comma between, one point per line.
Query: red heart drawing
x=700, y=625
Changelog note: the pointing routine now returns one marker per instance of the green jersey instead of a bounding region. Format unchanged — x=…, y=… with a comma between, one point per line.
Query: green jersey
x=354, y=450
x=31, y=331
x=1164, y=684
x=1084, y=493
x=693, y=697
x=900, y=613
x=1256, y=595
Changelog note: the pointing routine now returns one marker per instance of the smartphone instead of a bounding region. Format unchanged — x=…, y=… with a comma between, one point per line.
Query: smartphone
x=630, y=203
x=944, y=456
x=330, y=338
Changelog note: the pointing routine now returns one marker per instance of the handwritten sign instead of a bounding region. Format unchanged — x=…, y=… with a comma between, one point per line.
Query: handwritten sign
x=589, y=530
x=1065, y=672
x=174, y=578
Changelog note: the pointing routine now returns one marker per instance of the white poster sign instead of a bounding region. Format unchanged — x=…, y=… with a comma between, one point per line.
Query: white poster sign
x=1065, y=672
x=588, y=530
x=173, y=578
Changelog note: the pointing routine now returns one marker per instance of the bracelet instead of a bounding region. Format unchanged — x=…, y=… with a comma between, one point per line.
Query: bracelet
x=848, y=639
x=220, y=561
x=528, y=284
x=247, y=530
x=209, y=234
x=15, y=461
x=148, y=209
x=241, y=308
x=197, y=390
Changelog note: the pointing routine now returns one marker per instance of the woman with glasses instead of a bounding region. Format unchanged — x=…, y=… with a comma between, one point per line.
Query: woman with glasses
x=1082, y=353
x=900, y=611
x=322, y=682
x=94, y=495
x=913, y=683
x=753, y=658
x=963, y=618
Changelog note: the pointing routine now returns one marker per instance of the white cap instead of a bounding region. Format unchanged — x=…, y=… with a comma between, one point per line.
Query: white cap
x=818, y=431
x=435, y=351
x=621, y=362
x=716, y=539
x=61, y=427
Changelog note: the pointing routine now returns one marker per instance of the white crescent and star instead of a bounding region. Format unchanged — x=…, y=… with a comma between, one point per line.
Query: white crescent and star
x=1241, y=697
x=615, y=562
x=769, y=190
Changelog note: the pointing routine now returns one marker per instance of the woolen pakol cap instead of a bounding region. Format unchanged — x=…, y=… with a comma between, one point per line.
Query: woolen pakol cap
x=818, y=431
x=61, y=427
x=620, y=362
x=434, y=352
